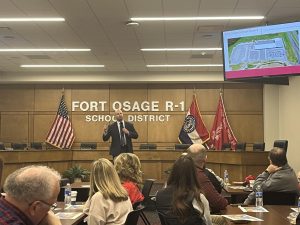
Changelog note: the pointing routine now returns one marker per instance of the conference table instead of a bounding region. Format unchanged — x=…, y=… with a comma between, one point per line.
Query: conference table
x=237, y=193
x=76, y=221
x=277, y=214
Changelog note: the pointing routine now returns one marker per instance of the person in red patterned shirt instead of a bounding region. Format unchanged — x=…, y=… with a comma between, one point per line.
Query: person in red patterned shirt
x=30, y=194
x=128, y=167
x=216, y=201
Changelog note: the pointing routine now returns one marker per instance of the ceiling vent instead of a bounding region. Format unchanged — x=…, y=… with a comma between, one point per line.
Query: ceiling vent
x=6, y=31
x=201, y=56
x=38, y=56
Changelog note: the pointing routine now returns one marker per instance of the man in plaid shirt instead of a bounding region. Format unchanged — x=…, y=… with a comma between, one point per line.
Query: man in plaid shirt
x=30, y=193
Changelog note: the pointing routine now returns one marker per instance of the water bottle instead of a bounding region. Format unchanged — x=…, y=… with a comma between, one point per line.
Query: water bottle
x=226, y=177
x=68, y=195
x=259, y=196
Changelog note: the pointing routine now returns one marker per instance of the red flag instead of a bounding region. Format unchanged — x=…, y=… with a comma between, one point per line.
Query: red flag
x=221, y=131
x=61, y=134
x=193, y=129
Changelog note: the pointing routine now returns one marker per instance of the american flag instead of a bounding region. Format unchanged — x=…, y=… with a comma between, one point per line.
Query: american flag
x=61, y=134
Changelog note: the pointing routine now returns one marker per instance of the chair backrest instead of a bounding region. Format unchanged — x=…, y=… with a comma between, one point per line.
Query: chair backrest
x=147, y=187
x=182, y=146
x=88, y=146
x=281, y=144
x=2, y=146
x=36, y=145
x=241, y=146
x=226, y=146
x=170, y=220
x=133, y=217
x=259, y=146
x=148, y=146
x=18, y=146
x=280, y=198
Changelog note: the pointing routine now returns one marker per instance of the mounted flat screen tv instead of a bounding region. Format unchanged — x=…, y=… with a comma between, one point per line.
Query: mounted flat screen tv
x=264, y=51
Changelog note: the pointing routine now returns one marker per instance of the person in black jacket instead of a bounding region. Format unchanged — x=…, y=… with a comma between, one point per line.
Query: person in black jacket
x=121, y=133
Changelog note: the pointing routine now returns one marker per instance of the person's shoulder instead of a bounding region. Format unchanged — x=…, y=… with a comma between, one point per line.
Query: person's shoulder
x=97, y=195
x=128, y=184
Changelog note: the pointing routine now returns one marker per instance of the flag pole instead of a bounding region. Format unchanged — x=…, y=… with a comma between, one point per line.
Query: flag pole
x=63, y=91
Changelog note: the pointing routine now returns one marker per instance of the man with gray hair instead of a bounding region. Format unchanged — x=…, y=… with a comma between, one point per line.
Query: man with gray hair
x=30, y=194
x=216, y=201
x=278, y=176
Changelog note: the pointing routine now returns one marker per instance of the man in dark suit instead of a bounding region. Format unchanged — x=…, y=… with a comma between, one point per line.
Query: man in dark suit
x=121, y=133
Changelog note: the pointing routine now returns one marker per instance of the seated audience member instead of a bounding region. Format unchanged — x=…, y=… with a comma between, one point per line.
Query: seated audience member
x=108, y=201
x=182, y=198
x=298, y=177
x=31, y=193
x=128, y=167
x=278, y=176
x=199, y=155
x=217, y=181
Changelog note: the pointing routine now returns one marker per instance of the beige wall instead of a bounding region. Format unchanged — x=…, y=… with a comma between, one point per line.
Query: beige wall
x=281, y=113
x=27, y=111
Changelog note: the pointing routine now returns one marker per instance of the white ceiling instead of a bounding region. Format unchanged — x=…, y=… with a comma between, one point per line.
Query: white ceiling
x=100, y=25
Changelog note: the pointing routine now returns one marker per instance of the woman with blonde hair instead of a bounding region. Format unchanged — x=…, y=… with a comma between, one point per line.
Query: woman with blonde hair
x=128, y=167
x=108, y=201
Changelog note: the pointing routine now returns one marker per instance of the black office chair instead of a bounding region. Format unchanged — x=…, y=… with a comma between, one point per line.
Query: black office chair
x=18, y=146
x=133, y=216
x=147, y=198
x=257, y=147
x=241, y=146
x=148, y=146
x=36, y=145
x=280, y=198
x=281, y=144
x=88, y=146
x=2, y=147
x=226, y=146
x=171, y=220
x=182, y=146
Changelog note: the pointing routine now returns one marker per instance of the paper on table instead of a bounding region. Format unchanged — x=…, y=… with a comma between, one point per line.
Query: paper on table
x=70, y=207
x=237, y=187
x=68, y=215
x=253, y=209
x=85, y=186
x=294, y=209
x=239, y=217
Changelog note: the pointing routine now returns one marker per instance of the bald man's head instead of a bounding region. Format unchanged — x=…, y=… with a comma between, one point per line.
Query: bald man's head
x=198, y=154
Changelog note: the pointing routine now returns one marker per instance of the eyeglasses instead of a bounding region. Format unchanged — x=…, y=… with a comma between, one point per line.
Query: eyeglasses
x=52, y=207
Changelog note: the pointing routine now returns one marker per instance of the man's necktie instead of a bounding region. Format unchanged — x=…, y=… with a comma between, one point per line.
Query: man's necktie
x=122, y=136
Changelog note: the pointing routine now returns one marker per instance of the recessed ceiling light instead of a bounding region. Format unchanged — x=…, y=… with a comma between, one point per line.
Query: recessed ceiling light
x=181, y=49
x=33, y=19
x=132, y=23
x=197, y=18
x=186, y=65
x=45, y=49
x=61, y=66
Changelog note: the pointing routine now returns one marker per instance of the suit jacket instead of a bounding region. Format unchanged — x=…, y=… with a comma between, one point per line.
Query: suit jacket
x=283, y=180
x=113, y=132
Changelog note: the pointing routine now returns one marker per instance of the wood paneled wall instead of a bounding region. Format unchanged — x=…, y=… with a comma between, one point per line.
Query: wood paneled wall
x=27, y=111
x=154, y=162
